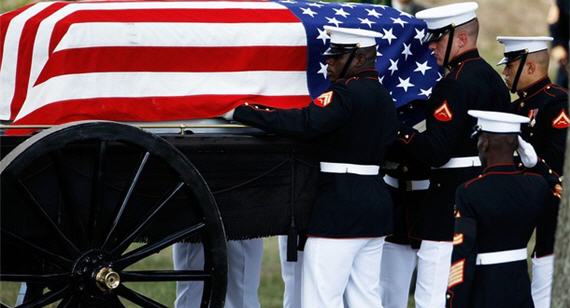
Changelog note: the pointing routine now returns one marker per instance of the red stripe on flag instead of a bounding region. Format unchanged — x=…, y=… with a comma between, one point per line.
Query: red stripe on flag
x=174, y=59
x=172, y=15
x=25, y=56
x=146, y=109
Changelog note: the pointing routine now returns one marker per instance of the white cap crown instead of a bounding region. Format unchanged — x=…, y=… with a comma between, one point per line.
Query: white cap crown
x=498, y=122
x=517, y=45
x=346, y=36
x=446, y=15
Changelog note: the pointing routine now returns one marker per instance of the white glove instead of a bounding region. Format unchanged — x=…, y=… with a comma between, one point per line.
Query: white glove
x=229, y=115
x=527, y=153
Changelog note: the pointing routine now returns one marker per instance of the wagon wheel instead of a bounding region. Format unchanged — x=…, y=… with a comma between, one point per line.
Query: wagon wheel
x=85, y=202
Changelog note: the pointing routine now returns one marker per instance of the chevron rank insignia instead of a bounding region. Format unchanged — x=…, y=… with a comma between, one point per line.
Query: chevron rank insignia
x=457, y=239
x=443, y=113
x=561, y=121
x=456, y=273
x=324, y=99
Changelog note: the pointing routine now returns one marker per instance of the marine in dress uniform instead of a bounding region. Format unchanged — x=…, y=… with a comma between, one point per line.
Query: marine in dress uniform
x=496, y=214
x=546, y=104
x=291, y=273
x=244, y=270
x=352, y=124
x=408, y=183
x=445, y=146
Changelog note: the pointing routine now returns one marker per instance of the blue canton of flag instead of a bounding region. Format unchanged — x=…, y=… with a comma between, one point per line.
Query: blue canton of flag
x=407, y=68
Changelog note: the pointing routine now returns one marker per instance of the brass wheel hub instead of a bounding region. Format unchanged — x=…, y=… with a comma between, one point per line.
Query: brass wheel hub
x=107, y=279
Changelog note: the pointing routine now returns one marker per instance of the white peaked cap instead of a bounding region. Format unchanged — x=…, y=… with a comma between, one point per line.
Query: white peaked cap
x=527, y=44
x=361, y=37
x=498, y=122
x=452, y=14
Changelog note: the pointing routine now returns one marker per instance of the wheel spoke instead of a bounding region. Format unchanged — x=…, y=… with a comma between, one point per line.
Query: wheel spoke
x=27, y=194
x=63, y=181
x=55, y=259
x=114, y=302
x=131, y=237
x=137, y=298
x=127, y=197
x=96, y=190
x=68, y=301
x=36, y=278
x=144, y=251
x=143, y=276
x=48, y=298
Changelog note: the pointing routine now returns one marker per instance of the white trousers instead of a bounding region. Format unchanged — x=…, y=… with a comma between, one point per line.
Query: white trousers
x=244, y=269
x=336, y=267
x=434, y=263
x=541, y=287
x=398, y=264
x=291, y=273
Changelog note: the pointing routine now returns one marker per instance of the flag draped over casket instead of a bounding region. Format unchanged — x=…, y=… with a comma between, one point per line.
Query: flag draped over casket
x=164, y=61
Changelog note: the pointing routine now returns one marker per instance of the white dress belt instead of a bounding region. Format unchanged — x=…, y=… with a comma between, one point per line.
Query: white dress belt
x=410, y=184
x=461, y=162
x=349, y=168
x=504, y=256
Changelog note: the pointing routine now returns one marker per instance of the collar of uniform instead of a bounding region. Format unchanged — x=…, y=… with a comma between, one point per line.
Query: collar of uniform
x=372, y=73
x=469, y=54
x=534, y=88
x=500, y=167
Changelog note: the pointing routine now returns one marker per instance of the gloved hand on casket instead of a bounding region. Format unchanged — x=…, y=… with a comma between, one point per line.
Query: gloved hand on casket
x=229, y=115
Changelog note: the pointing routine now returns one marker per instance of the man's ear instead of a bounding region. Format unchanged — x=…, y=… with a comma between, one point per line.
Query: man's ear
x=462, y=39
x=483, y=144
x=531, y=67
x=359, y=60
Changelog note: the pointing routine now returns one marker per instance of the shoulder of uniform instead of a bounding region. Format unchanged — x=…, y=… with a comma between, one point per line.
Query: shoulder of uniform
x=530, y=173
x=459, y=72
x=474, y=180
x=556, y=90
x=351, y=79
x=556, y=111
x=537, y=177
x=556, y=103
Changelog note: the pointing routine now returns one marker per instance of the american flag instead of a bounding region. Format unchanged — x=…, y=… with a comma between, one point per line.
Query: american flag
x=164, y=61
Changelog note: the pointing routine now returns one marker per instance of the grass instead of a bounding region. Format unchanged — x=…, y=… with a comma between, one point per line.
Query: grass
x=270, y=290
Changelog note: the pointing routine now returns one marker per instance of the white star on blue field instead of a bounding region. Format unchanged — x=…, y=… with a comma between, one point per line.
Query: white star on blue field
x=406, y=67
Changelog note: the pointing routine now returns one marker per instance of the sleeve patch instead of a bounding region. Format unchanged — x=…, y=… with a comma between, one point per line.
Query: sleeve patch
x=324, y=99
x=561, y=121
x=456, y=273
x=443, y=113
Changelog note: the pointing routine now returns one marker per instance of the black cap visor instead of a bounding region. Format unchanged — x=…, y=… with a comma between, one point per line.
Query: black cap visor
x=339, y=49
x=512, y=56
x=436, y=34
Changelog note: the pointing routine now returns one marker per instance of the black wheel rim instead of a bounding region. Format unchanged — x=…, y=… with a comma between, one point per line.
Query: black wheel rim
x=75, y=197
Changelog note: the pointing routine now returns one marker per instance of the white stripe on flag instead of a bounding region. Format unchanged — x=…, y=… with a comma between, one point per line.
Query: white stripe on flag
x=182, y=34
x=10, y=56
x=142, y=84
